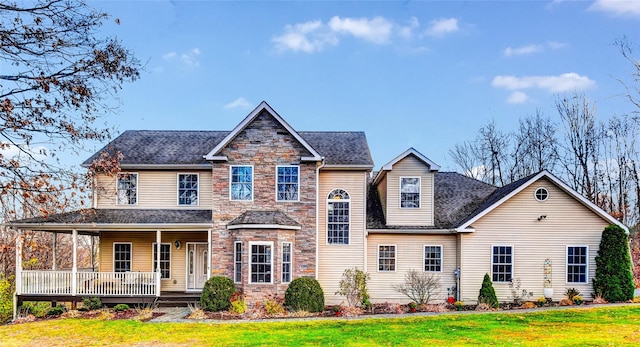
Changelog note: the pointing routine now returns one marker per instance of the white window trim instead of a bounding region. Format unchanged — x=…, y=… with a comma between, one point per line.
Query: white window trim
x=235, y=263
x=513, y=262
x=153, y=260
x=535, y=196
x=298, y=192
x=395, y=257
x=326, y=221
x=253, y=178
x=178, y=188
x=566, y=266
x=137, y=190
x=259, y=243
x=424, y=258
x=113, y=255
x=419, y=193
x=290, y=261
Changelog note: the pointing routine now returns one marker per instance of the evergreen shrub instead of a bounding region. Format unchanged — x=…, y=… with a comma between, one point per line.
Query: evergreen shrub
x=304, y=294
x=487, y=293
x=614, y=277
x=216, y=294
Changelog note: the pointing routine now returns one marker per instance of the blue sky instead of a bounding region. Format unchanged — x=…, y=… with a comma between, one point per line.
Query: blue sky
x=421, y=74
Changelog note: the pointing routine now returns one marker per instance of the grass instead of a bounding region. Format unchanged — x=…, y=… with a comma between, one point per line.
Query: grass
x=603, y=326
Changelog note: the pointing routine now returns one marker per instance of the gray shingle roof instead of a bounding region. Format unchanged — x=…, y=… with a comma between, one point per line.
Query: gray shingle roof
x=264, y=218
x=171, y=147
x=455, y=197
x=123, y=216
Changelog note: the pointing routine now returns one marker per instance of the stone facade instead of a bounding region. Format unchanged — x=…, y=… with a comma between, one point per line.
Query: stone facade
x=264, y=144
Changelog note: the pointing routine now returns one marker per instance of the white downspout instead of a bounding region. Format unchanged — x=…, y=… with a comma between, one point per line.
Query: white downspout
x=318, y=216
x=364, y=222
x=209, y=255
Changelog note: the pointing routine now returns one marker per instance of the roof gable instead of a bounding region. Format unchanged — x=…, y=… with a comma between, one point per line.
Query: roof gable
x=213, y=154
x=505, y=193
x=409, y=152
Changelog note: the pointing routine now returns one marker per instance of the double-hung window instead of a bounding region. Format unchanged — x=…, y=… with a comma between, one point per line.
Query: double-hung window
x=237, y=262
x=338, y=204
x=187, y=189
x=288, y=187
x=241, y=182
x=577, y=264
x=386, y=258
x=127, y=189
x=121, y=257
x=433, y=258
x=410, y=192
x=165, y=259
x=502, y=263
x=286, y=262
x=261, y=262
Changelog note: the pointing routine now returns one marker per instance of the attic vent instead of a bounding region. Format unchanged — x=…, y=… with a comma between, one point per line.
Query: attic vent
x=541, y=194
x=282, y=132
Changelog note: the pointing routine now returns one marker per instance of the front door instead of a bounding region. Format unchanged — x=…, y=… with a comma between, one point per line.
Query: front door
x=196, y=265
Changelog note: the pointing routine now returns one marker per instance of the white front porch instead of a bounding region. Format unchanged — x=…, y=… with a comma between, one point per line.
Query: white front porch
x=82, y=283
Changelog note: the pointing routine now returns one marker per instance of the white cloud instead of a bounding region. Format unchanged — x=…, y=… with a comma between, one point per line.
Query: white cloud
x=441, y=27
x=556, y=45
x=509, y=51
x=24, y=154
x=407, y=30
x=189, y=58
x=517, y=97
x=306, y=37
x=376, y=30
x=620, y=8
x=241, y=103
x=562, y=83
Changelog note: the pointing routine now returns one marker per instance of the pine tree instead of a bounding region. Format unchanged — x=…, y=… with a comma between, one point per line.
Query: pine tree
x=487, y=293
x=614, y=279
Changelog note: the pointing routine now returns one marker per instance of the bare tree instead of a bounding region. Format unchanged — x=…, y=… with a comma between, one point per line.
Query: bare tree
x=536, y=144
x=582, y=140
x=633, y=88
x=420, y=287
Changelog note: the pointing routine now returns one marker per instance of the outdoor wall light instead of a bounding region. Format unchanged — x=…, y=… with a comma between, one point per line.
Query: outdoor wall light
x=539, y=218
x=177, y=243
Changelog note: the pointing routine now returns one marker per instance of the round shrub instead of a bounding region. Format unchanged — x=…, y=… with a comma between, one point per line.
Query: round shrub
x=55, y=311
x=120, y=307
x=304, y=294
x=91, y=303
x=216, y=294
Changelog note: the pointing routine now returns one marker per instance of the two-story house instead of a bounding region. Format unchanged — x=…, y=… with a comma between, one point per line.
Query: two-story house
x=264, y=204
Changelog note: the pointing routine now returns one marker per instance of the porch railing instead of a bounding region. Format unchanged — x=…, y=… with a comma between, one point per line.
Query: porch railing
x=49, y=282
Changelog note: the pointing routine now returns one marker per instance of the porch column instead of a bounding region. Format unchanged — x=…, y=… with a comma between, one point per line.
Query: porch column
x=19, y=262
x=157, y=269
x=209, y=255
x=74, y=269
x=55, y=251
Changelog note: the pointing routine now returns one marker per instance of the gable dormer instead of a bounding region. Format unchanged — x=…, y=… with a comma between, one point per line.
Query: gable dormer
x=406, y=189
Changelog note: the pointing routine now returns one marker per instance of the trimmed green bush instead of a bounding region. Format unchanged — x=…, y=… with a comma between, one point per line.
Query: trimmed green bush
x=304, y=294
x=614, y=277
x=56, y=311
x=216, y=294
x=487, y=293
x=120, y=307
x=6, y=299
x=90, y=304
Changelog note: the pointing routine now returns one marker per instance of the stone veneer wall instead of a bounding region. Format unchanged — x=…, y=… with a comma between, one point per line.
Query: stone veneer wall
x=264, y=143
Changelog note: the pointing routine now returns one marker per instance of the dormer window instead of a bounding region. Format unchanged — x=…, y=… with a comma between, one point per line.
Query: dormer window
x=409, y=192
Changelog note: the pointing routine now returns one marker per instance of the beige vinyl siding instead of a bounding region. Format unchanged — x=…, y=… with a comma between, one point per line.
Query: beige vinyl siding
x=334, y=259
x=156, y=189
x=515, y=223
x=142, y=253
x=409, y=166
x=409, y=255
x=382, y=192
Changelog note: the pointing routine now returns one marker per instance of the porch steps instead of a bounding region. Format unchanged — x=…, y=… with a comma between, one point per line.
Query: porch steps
x=177, y=299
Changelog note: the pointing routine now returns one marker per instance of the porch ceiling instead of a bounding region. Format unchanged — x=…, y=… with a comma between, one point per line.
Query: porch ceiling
x=94, y=220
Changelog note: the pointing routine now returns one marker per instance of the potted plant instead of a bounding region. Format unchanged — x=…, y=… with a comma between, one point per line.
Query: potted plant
x=577, y=299
x=547, y=289
x=458, y=305
x=413, y=307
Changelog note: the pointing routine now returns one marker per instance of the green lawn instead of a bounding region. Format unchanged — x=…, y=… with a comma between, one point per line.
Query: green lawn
x=603, y=326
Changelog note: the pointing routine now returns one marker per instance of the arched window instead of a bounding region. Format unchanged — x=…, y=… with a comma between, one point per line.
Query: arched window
x=338, y=215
